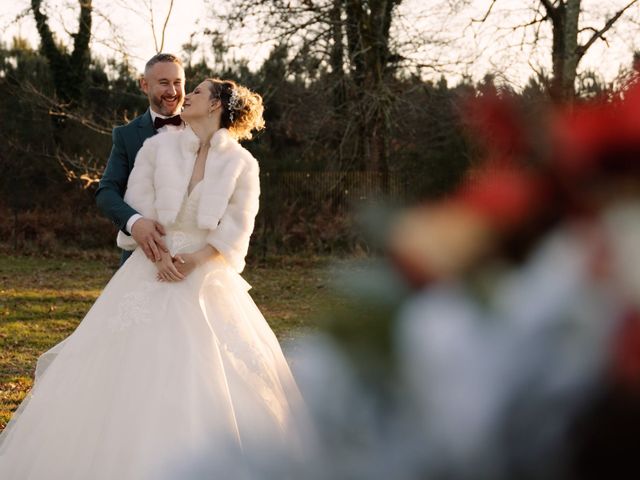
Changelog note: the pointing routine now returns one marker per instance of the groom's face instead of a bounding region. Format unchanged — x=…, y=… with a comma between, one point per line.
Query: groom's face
x=164, y=85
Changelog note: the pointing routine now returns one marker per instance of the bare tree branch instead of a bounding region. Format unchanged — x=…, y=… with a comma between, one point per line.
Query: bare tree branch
x=153, y=27
x=86, y=170
x=599, y=33
x=61, y=110
x=535, y=21
x=487, y=13
x=164, y=27
x=160, y=47
x=552, y=11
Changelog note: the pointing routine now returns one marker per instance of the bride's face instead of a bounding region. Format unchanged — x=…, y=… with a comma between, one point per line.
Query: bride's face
x=199, y=104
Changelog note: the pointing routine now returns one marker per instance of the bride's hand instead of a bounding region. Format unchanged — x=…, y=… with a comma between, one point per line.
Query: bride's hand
x=167, y=271
x=185, y=263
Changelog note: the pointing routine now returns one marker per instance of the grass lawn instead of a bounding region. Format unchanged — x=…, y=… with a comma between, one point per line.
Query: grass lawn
x=42, y=301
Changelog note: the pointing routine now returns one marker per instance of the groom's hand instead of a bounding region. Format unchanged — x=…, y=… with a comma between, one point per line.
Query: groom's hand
x=148, y=234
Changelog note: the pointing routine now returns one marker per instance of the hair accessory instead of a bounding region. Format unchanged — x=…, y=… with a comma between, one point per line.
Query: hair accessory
x=234, y=101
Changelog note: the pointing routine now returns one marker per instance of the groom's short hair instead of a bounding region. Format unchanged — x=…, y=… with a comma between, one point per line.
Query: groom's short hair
x=161, y=57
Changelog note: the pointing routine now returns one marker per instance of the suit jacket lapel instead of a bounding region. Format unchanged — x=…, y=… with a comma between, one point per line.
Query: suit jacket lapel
x=145, y=127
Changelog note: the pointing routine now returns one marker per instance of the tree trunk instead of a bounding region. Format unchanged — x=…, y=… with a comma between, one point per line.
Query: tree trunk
x=368, y=28
x=337, y=79
x=69, y=71
x=565, y=53
x=337, y=56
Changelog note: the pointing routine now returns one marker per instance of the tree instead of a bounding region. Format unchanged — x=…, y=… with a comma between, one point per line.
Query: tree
x=349, y=44
x=68, y=70
x=371, y=65
x=571, y=38
x=567, y=52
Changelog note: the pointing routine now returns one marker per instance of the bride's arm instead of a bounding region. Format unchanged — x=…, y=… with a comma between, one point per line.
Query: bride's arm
x=231, y=237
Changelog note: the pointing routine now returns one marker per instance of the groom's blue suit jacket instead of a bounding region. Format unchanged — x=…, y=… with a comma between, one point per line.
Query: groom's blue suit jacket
x=127, y=140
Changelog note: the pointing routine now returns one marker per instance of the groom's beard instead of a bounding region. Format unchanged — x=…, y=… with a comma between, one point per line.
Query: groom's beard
x=166, y=105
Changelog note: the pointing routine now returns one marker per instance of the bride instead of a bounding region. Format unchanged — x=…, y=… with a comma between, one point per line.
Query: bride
x=173, y=357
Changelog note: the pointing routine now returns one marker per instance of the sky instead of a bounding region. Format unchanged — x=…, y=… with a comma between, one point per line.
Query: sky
x=130, y=23
x=455, y=43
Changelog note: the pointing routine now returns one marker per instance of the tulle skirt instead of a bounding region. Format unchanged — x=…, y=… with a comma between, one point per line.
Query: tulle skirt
x=154, y=373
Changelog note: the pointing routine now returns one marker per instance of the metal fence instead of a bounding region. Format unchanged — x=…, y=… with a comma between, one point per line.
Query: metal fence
x=342, y=189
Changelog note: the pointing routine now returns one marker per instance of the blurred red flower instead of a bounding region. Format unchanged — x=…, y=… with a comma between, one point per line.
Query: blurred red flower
x=598, y=139
x=626, y=352
x=495, y=122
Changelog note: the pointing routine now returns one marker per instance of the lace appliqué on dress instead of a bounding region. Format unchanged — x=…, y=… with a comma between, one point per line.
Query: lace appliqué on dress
x=240, y=346
x=178, y=242
x=135, y=307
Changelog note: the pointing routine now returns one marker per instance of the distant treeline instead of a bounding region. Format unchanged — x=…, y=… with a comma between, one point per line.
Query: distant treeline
x=54, y=147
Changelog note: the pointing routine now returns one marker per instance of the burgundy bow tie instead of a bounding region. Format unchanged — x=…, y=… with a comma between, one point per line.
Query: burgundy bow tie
x=161, y=122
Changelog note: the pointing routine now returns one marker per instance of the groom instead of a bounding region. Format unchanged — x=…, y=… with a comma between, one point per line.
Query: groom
x=163, y=83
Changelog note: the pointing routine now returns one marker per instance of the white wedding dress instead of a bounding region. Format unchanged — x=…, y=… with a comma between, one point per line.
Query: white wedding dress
x=155, y=373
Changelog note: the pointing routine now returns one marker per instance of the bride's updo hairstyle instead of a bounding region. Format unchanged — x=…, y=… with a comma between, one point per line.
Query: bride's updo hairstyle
x=241, y=108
